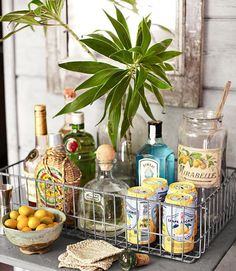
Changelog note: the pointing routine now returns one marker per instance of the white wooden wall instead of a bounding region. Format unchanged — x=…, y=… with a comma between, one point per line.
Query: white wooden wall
x=219, y=66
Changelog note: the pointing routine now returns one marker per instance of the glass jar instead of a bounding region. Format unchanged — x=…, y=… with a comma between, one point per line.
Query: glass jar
x=127, y=147
x=202, y=149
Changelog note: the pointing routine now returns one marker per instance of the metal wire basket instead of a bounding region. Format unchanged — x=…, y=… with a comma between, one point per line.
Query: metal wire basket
x=215, y=209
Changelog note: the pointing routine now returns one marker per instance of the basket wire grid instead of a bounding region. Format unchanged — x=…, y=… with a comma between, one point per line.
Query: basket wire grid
x=215, y=209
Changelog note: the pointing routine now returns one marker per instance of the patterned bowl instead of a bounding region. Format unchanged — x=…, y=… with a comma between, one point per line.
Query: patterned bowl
x=35, y=241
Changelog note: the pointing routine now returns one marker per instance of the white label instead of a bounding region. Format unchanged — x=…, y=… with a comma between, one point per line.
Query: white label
x=148, y=168
x=30, y=187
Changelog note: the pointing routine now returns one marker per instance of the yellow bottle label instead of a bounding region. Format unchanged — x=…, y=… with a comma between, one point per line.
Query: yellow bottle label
x=199, y=166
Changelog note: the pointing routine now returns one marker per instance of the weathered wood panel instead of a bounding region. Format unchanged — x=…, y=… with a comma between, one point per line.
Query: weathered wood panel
x=220, y=9
x=220, y=37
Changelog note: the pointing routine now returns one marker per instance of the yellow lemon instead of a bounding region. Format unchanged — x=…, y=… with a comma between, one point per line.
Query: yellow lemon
x=41, y=227
x=46, y=220
x=51, y=215
x=22, y=223
x=26, y=210
x=14, y=214
x=33, y=222
x=21, y=217
x=26, y=229
x=55, y=223
x=51, y=225
x=11, y=223
x=40, y=213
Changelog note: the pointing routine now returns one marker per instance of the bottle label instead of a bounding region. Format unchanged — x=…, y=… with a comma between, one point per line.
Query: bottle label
x=148, y=168
x=199, y=166
x=31, y=189
x=72, y=145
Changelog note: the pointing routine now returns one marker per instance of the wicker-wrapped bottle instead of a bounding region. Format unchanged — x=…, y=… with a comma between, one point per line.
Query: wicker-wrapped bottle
x=55, y=171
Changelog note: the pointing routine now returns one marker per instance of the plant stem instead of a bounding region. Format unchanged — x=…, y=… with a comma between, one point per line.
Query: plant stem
x=73, y=34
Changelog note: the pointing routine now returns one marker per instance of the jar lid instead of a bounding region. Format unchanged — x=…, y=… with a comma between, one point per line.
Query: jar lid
x=179, y=199
x=141, y=192
x=155, y=183
x=179, y=187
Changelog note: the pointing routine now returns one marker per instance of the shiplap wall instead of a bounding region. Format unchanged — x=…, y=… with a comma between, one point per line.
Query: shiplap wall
x=219, y=65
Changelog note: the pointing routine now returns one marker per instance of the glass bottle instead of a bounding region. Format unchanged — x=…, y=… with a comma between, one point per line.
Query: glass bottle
x=202, y=149
x=69, y=96
x=33, y=158
x=101, y=207
x=80, y=148
x=127, y=148
x=155, y=158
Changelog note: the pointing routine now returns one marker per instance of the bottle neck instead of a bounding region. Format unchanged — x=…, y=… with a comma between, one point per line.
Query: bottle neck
x=105, y=171
x=41, y=141
x=155, y=140
x=77, y=127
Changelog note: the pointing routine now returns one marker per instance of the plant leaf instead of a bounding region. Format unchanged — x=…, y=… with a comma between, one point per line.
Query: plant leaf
x=89, y=67
x=114, y=37
x=165, y=29
x=104, y=39
x=159, y=47
x=168, y=67
x=123, y=56
x=121, y=31
x=157, y=93
x=159, y=72
x=168, y=55
x=120, y=17
x=151, y=59
x=13, y=32
x=141, y=76
x=113, y=124
x=119, y=92
x=98, y=78
x=158, y=82
x=145, y=103
x=99, y=46
x=146, y=36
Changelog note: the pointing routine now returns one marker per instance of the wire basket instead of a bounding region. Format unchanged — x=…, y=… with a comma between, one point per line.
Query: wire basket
x=215, y=209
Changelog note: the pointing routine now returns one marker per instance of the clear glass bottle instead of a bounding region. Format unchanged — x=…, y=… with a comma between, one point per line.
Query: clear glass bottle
x=69, y=96
x=155, y=158
x=80, y=148
x=127, y=147
x=99, y=212
x=202, y=149
x=33, y=158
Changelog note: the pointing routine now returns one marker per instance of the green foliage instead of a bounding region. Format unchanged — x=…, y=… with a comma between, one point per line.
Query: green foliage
x=139, y=67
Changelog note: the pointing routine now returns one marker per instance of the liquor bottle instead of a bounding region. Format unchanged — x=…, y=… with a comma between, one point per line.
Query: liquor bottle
x=155, y=158
x=101, y=205
x=69, y=96
x=33, y=158
x=80, y=148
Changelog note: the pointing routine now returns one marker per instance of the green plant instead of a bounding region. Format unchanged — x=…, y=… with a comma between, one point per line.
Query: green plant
x=140, y=67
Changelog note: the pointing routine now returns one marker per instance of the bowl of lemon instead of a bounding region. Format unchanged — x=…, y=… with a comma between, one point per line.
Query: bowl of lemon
x=33, y=230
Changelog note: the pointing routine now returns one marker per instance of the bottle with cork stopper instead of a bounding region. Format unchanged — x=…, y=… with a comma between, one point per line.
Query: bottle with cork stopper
x=99, y=210
x=35, y=155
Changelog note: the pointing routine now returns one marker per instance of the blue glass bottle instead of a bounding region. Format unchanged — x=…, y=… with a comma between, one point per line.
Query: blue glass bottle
x=155, y=158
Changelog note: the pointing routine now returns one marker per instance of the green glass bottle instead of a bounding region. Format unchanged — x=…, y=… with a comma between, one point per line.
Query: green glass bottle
x=80, y=148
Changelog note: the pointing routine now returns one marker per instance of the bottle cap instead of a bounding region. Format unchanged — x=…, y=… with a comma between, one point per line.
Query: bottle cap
x=154, y=129
x=77, y=117
x=69, y=93
x=105, y=155
x=179, y=199
x=54, y=140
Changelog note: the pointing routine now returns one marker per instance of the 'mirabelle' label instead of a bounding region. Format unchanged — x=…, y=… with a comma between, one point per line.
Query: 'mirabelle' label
x=200, y=166
x=148, y=168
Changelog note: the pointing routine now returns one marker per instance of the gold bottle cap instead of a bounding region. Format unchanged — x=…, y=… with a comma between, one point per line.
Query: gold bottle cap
x=40, y=119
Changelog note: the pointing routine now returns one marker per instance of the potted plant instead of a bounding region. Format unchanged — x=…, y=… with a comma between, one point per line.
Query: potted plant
x=140, y=66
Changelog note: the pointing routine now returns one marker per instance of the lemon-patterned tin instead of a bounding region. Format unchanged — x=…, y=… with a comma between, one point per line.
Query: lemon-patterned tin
x=159, y=185
x=178, y=223
x=188, y=188
x=141, y=215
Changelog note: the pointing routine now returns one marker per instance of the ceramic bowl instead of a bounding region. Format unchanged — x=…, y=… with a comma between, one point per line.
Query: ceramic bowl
x=35, y=241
